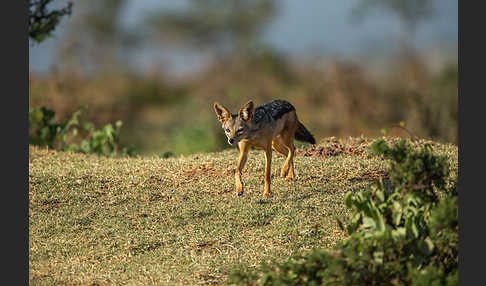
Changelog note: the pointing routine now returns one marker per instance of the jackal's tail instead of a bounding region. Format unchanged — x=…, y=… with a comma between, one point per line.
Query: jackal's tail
x=302, y=134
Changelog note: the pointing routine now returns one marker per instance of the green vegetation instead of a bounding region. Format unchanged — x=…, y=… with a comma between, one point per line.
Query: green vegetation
x=67, y=135
x=43, y=21
x=401, y=233
x=96, y=220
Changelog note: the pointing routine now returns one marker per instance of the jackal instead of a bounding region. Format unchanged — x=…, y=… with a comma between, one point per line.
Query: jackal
x=271, y=125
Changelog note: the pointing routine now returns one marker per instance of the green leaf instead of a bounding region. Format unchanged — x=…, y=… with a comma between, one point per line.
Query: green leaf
x=292, y=276
x=47, y=113
x=355, y=219
x=426, y=246
x=397, y=216
x=88, y=126
x=375, y=213
x=397, y=207
x=108, y=128
x=398, y=233
x=380, y=195
x=35, y=115
x=85, y=146
x=348, y=199
x=378, y=257
x=109, y=131
x=369, y=223
x=411, y=227
x=44, y=133
x=74, y=120
x=397, y=213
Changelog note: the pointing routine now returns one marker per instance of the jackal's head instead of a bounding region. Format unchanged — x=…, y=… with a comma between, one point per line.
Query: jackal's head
x=235, y=126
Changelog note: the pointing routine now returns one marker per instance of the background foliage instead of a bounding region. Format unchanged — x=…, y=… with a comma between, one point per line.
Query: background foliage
x=339, y=101
x=165, y=115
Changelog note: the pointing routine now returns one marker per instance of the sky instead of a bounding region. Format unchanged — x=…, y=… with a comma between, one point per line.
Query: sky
x=301, y=29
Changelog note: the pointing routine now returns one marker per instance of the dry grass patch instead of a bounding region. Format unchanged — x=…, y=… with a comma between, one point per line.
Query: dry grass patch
x=178, y=221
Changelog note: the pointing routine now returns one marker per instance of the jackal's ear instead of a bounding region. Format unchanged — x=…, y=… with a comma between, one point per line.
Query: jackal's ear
x=222, y=112
x=246, y=111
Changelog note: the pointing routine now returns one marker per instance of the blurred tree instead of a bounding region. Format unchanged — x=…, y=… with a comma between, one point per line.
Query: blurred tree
x=43, y=21
x=94, y=37
x=217, y=25
x=410, y=12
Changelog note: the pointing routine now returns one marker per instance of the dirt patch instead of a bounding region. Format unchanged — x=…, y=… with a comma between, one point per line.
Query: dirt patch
x=225, y=191
x=203, y=170
x=155, y=180
x=331, y=146
x=49, y=205
x=370, y=176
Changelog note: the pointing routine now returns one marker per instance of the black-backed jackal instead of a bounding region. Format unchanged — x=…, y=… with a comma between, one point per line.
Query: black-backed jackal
x=271, y=125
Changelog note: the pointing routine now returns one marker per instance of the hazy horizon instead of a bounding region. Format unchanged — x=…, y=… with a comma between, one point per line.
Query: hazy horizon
x=316, y=29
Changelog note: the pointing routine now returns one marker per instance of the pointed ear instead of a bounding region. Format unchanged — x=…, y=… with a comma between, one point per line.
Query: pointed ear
x=246, y=111
x=222, y=112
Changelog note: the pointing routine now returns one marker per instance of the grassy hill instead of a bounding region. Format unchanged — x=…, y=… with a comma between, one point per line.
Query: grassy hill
x=110, y=221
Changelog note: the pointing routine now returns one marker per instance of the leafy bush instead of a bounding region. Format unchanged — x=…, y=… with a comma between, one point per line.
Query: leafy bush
x=43, y=132
x=401, y=232
x=68, y=135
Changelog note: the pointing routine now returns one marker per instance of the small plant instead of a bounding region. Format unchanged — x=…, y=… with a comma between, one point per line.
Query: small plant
x=68, y=135
x=44, y=132
x=401, y=232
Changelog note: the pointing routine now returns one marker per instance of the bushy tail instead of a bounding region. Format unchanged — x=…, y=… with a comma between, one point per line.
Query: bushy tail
x=302, y=134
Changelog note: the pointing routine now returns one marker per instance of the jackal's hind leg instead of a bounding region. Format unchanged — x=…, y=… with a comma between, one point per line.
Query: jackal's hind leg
x=278, y=146
x=288, y=141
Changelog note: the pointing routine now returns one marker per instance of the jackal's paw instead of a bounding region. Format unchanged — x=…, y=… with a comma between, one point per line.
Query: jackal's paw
x=283, y=173
x=239, y=192
x=289, y=178
x=266, y=195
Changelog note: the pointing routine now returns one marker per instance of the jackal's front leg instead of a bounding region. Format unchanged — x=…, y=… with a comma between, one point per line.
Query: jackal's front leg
x=240, y=165
x=268, y=169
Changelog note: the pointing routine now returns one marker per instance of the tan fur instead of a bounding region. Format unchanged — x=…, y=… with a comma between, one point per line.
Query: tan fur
x=278, y=136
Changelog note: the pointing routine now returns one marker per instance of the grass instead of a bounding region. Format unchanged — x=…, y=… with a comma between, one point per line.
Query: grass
x=177, y=221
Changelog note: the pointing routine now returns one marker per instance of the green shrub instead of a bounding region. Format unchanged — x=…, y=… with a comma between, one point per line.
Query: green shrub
x=403, y=231
x=44, y=132
x=69, y=136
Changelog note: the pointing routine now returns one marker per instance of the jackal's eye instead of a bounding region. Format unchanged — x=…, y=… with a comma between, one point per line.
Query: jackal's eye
x=240, y=130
